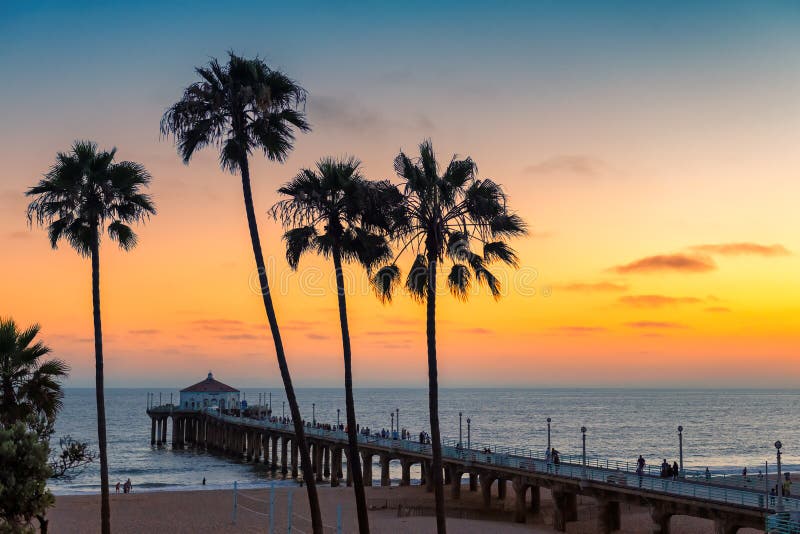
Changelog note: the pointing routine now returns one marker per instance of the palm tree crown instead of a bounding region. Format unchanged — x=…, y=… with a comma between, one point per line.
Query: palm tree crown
x=85, y=191
x=334, y=206
x=448, y=216
x=239, y=106
x=30, y=391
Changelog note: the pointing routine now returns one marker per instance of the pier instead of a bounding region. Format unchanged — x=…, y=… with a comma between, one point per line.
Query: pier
x=609, y=483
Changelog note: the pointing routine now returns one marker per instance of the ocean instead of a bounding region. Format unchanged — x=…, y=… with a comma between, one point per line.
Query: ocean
x=724, y=430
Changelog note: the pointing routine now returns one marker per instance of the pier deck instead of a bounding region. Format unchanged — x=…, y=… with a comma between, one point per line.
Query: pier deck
x=610, y=483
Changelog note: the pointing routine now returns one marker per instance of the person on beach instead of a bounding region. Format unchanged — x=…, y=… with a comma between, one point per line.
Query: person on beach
x=130, y=485
x=117, y=488
x=204, y=481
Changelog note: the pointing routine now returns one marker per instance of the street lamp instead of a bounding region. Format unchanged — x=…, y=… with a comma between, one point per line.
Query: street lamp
x=548, y=433
x=459, y=430
x=583, y=433
x=397, y=420
x=337, y=418
x=270, y=401
x=283, y=410
x=680, y=448
x=391, y=429
x=313, y=414
x=469, y=441
x=779, y=507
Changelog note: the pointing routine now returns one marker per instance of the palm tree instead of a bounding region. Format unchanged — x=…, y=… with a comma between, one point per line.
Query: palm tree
x=446, y=216
x=30, y=388
x=84, y=194
x=336, y=212
x=240, y=107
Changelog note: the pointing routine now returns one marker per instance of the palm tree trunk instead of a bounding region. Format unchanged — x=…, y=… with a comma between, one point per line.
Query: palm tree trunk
x=354, y=463
x=305, y=458
x=105, y=509
x=433, y=398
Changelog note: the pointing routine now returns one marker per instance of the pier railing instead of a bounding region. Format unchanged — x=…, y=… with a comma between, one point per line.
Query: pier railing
x=571, y=466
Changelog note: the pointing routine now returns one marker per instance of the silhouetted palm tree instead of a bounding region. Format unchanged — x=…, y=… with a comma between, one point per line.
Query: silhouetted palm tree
x=30, y=388
x=83, y=195
x=240, y=107
x=336, y=212
x=446, y=215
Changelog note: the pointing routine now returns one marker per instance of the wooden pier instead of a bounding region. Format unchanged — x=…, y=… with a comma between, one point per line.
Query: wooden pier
x=273, y=444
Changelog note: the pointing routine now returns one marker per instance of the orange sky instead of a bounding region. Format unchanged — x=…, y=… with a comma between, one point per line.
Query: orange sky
x=627, y=179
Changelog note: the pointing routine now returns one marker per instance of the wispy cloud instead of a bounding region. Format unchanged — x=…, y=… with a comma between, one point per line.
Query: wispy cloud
x=593, y=287
x=570, y=166
x=686, y=263
x=239, y=337
x=382, y=333
x=344, y=114
x=742, y=249
x=655, y=325
x=144, y=332
x=317, y=336
x=718, y=309
x=656, y=301
x=298, y=325
x=579, y=329
x=476, y=330
x=19, y=235
x=217, y=324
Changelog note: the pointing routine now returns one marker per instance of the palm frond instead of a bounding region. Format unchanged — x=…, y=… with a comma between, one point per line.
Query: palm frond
x=499, y=250
x=459, y=281
x=417, y=280
x=298, y=241
x=488, y=279
x=385, y=281
x=122, y=234
x=507, y=225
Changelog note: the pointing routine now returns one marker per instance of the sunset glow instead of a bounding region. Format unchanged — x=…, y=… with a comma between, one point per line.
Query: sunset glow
x=654, y=152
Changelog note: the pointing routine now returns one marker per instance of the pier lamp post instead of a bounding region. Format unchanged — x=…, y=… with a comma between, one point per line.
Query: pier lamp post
x=270, y=401
x=583, y=435
x=391, y=429
x=779, y=507
x=469, y=441
x=283, y=410
x=459, y=430
x=159, y=398
x=548, y=433
x=313, y=414
x=680, y=448
x=397, y=419
x=338, y=410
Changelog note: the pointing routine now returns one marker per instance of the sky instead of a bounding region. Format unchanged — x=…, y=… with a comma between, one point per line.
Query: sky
x=652, y=147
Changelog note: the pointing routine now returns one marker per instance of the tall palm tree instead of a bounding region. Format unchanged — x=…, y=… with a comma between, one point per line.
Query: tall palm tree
x=239, y=107
x=336, y=212
x=30, y=388
x=447, y=216
x=84, y=194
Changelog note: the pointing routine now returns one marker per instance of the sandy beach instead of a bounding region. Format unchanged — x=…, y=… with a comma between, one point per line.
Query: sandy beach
x=211, y=511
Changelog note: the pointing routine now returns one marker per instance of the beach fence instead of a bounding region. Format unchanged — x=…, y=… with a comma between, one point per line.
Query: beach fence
x=266, y=509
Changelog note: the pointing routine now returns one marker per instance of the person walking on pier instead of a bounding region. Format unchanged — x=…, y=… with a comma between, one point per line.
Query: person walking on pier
x=675, y=471
x=640, y=463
